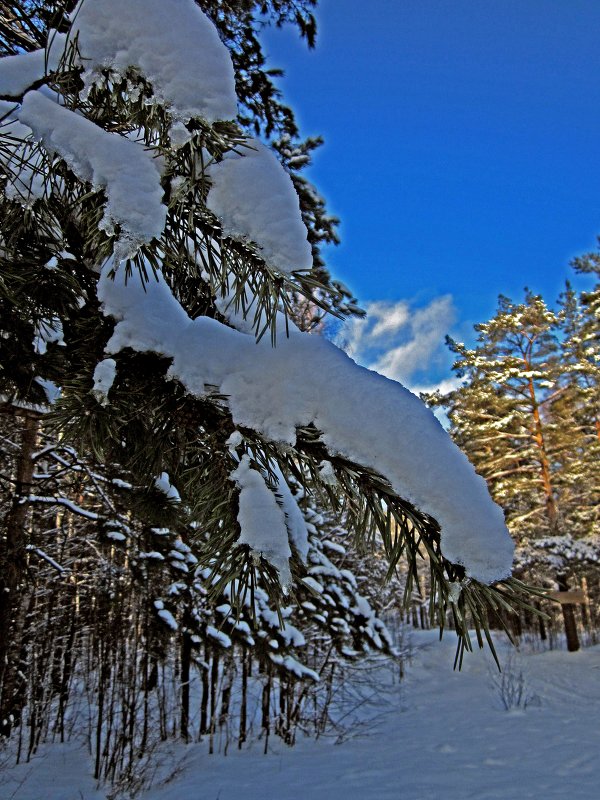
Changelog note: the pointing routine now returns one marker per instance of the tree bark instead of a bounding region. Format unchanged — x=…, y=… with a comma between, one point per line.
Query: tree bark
x=13, y=565
x=186, y=658
x=538, y=436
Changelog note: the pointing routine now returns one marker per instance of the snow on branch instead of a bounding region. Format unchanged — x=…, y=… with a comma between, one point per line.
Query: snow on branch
x=294, y=519
x=173, y=44
x=177, y=49
x=254, y=198
x=164, y=485
x=108, y=161
x=307, y=380
x=262, y=521
x=62, y=501
x=48, y=559
x=19, y=73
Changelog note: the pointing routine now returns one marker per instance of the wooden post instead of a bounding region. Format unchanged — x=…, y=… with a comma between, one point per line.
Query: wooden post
x=568, y=611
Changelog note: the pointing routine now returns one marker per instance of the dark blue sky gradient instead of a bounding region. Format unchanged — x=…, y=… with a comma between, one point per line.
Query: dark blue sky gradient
x=462, y=142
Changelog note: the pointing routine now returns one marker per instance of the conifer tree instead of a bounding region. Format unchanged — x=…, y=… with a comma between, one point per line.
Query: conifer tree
x=524, y=414
x=575, y=410
x=152, y=256
x=499, y=413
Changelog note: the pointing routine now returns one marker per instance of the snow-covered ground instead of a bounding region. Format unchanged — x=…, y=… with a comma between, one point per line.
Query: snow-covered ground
x=437, y=734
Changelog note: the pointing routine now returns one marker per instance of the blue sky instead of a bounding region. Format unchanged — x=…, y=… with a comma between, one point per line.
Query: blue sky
x=461, y=156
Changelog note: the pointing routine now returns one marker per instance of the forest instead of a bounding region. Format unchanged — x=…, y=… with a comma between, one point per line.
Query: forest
x=203, y=533
x=526, y=411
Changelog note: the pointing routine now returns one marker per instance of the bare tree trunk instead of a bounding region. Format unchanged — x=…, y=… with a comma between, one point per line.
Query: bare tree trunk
x=13, y=566
x=266, y=708
x=204, y=726
x=214, y=686
x=545, y=471
x=244, y=702
x=186, y=657
x=585, y=606
x=568, y=610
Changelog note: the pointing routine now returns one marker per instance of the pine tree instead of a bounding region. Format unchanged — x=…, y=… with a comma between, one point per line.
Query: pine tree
x=522, y=414
x=499, y=416
x=575, y=411
x=152, y=258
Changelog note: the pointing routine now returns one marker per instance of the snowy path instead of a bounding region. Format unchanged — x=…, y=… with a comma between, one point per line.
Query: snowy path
x=445, y=735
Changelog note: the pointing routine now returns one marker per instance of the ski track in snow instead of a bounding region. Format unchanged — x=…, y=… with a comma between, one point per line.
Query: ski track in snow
x=444, y=735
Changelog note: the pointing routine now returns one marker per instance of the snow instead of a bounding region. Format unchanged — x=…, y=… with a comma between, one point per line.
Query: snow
x=174, y=45
x=168, y=618
x=268, y=392
x=47, y=332
x=62, y=501
x=294, y=518
x=327, y=473
x=218, y=636
x=255, y=199
x=32, y=549
x=311, y=583
x=163, y=484
x=337, y=548
x=437, y=734
x=261, y=519
x=51, y=390
x=177, y=48
x=116, y=536
x=120, y=484
x=104, y=376
x=294, y=666
x=18, y=73
x=458, y=742
x=128, y=174
x=152, y=555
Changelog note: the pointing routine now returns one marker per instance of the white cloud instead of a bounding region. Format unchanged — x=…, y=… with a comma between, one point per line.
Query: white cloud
x=444, y=386
x=391, y=317
x=401, y=340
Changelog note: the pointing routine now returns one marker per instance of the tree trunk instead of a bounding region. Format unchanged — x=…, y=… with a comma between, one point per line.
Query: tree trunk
x=244, y=701
x=266, y=708
x=541, y=623
x=214, y=684
x=186, y=657
x=204, y=726
x=13, y=565
x=538, y=436
x=568, y=610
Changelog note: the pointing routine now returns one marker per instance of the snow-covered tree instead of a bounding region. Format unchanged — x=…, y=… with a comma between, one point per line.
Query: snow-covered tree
x=152, y=257
x=581, y=367
x=498, y=414
x=118, y=611
x=522, y=414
